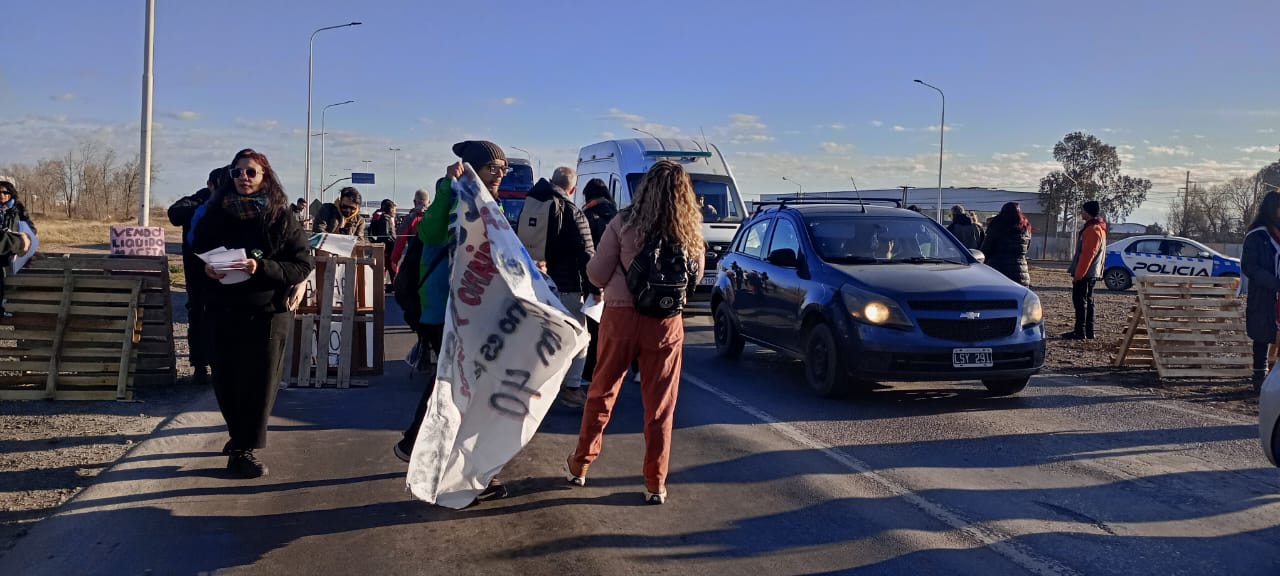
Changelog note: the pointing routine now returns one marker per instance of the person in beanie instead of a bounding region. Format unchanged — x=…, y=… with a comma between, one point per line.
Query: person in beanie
x=1086, y=268
x=599, y=211
x=13, y=243
x=964, y=229
x=199, y=337
x=490, y=165
x=1258, y=263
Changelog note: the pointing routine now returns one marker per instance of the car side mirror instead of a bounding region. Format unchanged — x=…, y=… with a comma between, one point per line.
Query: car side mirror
x=982, y=258
x=785, y=258
x=1203, y=254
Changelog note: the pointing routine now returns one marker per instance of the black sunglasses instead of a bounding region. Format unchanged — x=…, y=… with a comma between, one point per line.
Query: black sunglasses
x=250, y=172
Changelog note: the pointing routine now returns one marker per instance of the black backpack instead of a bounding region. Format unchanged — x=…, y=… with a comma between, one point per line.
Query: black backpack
x=660, y=278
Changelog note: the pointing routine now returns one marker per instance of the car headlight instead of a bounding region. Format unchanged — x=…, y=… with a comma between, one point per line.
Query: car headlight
x=873, y=308
x=1032, y=313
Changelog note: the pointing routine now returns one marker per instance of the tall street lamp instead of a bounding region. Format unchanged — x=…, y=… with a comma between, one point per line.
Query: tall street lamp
x=942, y=132
x=322, y=133
x=530, y=156
x=306, y=170
x=798, y=185
x=393, y=150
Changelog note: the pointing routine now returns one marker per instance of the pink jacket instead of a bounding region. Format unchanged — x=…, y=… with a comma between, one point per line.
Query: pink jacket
x=618, y=246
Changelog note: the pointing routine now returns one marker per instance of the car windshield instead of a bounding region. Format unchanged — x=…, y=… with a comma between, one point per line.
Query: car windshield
x=717, y=197
x=858, y=239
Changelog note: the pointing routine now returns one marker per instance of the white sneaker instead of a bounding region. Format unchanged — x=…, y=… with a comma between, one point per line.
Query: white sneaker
x=655, y=498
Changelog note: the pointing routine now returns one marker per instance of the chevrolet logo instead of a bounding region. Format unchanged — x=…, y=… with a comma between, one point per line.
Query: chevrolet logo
x=971, y=315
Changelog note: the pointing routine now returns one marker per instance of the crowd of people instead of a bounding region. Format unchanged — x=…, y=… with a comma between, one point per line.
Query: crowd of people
x=587, y=252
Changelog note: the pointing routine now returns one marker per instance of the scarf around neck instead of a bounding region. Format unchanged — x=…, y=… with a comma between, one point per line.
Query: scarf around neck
x=245, y=207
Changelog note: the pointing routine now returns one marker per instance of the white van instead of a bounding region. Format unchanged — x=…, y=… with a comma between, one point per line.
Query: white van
x=622, y=163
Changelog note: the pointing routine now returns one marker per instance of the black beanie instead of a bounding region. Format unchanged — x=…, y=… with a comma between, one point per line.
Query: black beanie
x=1091, y=207
x=477, y=153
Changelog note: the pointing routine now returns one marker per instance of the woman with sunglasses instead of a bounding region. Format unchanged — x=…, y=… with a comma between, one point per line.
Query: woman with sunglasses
x=250, y=318
x=341, y=216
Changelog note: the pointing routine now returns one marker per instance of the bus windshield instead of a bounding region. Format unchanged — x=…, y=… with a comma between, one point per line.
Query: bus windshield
x=717, y=196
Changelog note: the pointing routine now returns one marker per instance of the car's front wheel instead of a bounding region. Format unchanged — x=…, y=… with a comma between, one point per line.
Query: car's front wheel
x=1006, y=387
x=824, y=367
x=1117, y=279
x=1275, y=443
x=729, y=340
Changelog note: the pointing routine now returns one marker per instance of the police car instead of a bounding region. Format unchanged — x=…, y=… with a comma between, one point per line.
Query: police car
x=1141, y=255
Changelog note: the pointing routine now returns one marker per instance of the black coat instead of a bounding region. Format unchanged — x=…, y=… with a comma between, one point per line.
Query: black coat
x=599, y=212
x=1258, y=263
x=966, y=231
x=180, y=214
x=1006, y=250
x=569, y=245
x=285, y=259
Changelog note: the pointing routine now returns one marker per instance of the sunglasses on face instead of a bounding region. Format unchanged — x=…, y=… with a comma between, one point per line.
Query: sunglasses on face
x=238, y=172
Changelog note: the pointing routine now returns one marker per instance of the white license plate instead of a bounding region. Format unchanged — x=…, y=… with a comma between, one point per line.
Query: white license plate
x=971, y=358
x=708, y=280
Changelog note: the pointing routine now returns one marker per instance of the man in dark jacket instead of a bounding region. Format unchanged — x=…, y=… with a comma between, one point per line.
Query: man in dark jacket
x=964, y=228
x=199, y=336
x=556, y=232
x=382, y=230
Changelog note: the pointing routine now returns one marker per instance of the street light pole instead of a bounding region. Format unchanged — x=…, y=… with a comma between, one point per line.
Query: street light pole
x=531, y=157
x=798, y=185
x=144, y=155
x=942, y=133
x=393, y=170
x=322, y=133
x=644, y=132
x=306, y=170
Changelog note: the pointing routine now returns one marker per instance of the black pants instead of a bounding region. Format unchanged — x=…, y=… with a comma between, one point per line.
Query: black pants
x=248, y=362
x=593, y=328
x=199, y=330
x=433, y=335
x=1082, y=299
x=1260, y=350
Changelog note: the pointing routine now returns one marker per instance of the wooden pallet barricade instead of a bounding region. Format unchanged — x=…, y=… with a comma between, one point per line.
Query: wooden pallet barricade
x=342, y=318
x=71, y=337
x=1188, y=327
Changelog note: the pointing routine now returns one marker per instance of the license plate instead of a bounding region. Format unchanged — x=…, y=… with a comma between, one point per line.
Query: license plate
x=708, y=280
x=971, y=358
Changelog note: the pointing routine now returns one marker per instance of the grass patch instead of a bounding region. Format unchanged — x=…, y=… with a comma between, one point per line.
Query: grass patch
x=61, y=233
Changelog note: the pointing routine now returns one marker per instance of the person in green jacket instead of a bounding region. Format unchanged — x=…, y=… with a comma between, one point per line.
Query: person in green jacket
x=490, y=164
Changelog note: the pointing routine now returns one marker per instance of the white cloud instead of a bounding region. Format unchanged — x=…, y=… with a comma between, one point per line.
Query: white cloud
x=1266, y=130
x=262, y=125
x=606, y=135
x=934, y=128
x=1125, y=147
x=1257, y=149
x=617, y=114
x=1199, y=136
x=744, y=129
x=66, y=97
x=1108, y=130
x=835, y=148
x=838, y=126
x=508, y=101
x=1037, y=146
x=877, y=123
x=746, y=122
x=184, y=115
x=1169, y=150
x=897, y=128
x=1009, y=157
x=424, y=121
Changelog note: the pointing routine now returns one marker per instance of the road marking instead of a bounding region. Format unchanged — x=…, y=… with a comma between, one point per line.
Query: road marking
x=999, y=542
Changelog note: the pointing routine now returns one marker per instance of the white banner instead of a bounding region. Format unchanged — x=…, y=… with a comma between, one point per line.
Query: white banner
x=508, y=342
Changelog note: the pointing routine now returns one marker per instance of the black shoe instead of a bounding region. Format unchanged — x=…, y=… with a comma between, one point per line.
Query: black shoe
x=201, y=376
x=495, y=491
x=403, y=449
x=228, y=448
x=1071, y=336
x=244, y=464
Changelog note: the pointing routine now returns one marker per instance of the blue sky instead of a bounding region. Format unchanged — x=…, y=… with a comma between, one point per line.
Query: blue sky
x=817, y=91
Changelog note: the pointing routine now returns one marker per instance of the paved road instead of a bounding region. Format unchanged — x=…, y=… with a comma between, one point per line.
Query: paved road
x=1068, y=478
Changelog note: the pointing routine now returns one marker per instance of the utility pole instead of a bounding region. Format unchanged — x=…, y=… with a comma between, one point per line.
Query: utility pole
x=144, y=154
x=1186, y=194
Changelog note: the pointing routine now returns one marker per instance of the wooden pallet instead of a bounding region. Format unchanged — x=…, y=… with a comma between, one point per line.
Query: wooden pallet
x=361, y=316
x=70, y=338
x=1192, y=327
x=157, y=362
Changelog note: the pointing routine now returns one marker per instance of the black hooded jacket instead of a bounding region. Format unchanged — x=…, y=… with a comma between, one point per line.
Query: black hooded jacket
x=569, y=241
x=1005, y=248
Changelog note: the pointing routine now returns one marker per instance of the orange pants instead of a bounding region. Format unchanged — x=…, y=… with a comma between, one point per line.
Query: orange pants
x=627, y=335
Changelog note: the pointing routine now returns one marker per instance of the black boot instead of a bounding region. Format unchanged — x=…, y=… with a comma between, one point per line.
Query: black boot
x=1088, y=331
x=1072, y=335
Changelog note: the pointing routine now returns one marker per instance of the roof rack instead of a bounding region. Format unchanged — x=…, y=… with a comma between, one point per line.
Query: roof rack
x=897, y=202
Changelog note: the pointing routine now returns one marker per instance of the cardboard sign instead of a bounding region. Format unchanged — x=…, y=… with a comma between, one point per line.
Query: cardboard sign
x=137, y=240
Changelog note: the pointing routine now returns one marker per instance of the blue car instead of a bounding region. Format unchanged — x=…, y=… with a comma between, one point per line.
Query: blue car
x=865, y=293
